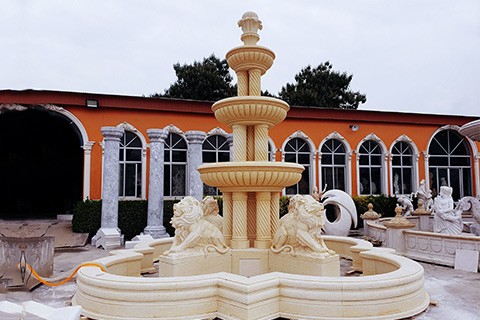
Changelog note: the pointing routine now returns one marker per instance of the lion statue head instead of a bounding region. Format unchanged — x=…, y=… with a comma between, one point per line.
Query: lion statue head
x=186, y=212
x=307, y=210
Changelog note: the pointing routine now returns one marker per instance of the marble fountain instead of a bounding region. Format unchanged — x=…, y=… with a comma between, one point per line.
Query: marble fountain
x=253, y=265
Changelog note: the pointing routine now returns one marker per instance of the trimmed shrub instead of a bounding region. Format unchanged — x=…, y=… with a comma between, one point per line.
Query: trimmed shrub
x=87, y=217
x=284, y=202
x=132, y=217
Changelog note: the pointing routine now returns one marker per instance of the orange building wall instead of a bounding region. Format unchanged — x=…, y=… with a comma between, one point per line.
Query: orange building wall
x=317, y=124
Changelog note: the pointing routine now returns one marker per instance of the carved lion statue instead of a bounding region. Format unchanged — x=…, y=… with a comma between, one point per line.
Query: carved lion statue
x=299, y=231
x=210, y=212
x=193, y=233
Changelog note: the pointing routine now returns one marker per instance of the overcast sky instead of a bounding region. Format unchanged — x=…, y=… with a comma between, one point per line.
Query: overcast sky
x=411, y=56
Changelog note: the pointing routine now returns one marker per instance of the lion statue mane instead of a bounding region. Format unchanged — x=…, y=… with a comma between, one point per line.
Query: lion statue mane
x=193, y=233
x=299, y=231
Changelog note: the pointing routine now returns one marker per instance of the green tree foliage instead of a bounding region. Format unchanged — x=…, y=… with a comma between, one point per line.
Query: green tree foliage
x=322, y=87
x=206, y=80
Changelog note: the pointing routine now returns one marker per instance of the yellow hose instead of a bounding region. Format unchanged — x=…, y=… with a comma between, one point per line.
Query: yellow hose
x=54, y=284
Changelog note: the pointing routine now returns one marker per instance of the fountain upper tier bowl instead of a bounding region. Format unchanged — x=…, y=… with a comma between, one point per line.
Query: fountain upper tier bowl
x=251, y=175
x=247, y=58
x=250, y=110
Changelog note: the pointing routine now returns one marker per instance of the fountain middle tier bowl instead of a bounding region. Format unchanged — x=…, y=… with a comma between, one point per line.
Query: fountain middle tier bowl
x=251, y=175
x=250, y=110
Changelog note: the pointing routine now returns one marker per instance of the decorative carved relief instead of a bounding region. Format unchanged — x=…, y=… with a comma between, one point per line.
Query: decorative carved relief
x=11, y=107
x=173, y=129
x=217, y=132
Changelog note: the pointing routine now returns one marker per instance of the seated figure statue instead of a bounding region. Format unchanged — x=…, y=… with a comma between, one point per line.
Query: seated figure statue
x=299, y=231
x=193, y=233
x=211, y=210
x=446, y=219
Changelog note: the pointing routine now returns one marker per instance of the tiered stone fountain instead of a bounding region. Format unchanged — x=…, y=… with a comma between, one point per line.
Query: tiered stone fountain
x=248, y=275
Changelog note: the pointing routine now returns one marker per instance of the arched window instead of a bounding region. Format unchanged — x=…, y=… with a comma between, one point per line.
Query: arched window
x=450, y=164
x=175, y=166
x=370, y=168
x=402, y=168
x=215, y=149
x=130, y=166
x=298, y=151
x=333, y=166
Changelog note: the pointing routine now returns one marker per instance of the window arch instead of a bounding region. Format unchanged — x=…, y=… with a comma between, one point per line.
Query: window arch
x=403, y=162
x=450, y=163
x=402, y=168
x=175, y=166
x=215, y=149
x=334, y=164
x=130, y=158
x=371, y=169
x=298, y=149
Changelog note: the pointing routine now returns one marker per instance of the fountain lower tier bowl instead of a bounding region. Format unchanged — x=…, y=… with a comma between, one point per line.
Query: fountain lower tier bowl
x=250, y=110
x=251, y=175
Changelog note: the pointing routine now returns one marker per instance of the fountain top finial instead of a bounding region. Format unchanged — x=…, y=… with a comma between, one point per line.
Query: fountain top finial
x=250, y=25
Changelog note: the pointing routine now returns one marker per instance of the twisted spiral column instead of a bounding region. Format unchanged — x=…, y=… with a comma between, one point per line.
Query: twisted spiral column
x=261, y=142
x=251, y=217
x=274, y=212
x=239, y=234
x=240, y=142
x=254, y=82
x=250, y=143
x=242, y=83
x=227, y=216
x=264, y=237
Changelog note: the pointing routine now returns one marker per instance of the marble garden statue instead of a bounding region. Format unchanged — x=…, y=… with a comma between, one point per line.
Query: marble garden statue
x=406, y=204
x=446, y=219
x=424, y=196
x=473, y=205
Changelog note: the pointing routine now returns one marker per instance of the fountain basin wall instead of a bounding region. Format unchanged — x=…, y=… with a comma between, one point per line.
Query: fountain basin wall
x=423, y=245
x=394, y=285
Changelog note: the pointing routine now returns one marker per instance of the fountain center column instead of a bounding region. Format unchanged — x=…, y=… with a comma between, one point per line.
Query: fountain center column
x=250, y=183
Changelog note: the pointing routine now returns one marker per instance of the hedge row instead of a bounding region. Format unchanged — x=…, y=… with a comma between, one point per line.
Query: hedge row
x=132, y=215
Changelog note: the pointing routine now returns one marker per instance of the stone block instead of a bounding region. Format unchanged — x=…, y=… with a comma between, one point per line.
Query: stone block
x=305, y=264
x=192, y=264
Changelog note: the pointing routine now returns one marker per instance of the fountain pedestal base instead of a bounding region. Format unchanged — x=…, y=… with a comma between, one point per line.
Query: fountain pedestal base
x=305, y=264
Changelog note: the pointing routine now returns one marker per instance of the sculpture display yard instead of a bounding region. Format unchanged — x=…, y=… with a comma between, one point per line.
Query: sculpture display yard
x=254, y=265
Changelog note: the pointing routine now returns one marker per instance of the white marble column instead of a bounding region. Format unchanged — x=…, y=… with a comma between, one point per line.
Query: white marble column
x=195, y=141
x=87, y=157
x=155, y=226
x=108, y=236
